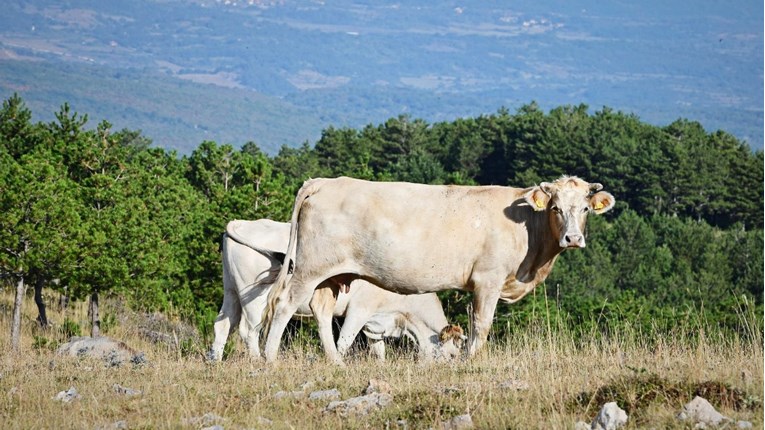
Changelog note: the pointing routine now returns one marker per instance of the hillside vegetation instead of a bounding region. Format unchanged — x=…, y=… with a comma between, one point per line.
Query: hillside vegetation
x=177, y=113
x=95, y=213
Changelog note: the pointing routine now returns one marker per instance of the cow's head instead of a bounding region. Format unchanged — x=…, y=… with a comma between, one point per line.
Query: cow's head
x=450, y=341
x=567, y=202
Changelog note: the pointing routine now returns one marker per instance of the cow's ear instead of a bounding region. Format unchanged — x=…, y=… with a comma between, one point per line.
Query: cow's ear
x=601, y=202
x=538, y=197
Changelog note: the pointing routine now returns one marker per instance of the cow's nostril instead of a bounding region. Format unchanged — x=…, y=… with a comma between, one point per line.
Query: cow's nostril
x=574, y=240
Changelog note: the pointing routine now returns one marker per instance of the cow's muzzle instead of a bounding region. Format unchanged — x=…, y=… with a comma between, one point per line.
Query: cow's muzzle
x=574, y=240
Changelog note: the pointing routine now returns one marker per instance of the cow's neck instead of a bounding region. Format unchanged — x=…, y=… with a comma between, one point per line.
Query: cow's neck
x=536, y=266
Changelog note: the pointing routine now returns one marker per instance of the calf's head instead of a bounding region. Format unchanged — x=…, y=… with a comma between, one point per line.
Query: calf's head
x=451, y=340
x=567, y=202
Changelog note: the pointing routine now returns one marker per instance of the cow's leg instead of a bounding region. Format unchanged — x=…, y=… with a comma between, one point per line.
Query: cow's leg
x=252, y=317
x=377, y=347
x=294, y=294
x=354, y=321
x=229, y=316
x=323, y=307
x=250, y=334
x=484, y=304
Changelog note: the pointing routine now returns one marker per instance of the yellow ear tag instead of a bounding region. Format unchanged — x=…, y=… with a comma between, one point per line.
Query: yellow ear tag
x=599, y=205
x=540, y=203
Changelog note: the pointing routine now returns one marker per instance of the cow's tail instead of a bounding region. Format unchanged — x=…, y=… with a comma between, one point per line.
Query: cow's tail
x=234, y=235
x=309, y=187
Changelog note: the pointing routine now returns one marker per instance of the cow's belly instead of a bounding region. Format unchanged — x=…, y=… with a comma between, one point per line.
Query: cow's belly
x=420, y=270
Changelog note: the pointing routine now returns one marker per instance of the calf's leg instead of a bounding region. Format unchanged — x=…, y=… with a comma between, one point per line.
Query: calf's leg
x=354, y=321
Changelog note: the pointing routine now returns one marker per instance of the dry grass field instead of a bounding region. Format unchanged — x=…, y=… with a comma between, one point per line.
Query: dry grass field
x=540, y=379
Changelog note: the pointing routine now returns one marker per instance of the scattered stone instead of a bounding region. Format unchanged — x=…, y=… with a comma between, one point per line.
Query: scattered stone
x=206, y=420
x=361, y=405
x=398, y=424
x=700, y=411
x=117, y=425
x=138, y=359
x=743, y=424
x=514, y=384
x=746, y=377
x=377, y=386
x=68, y=396
x=581, y=425
x=307, y=385
x=610, y=417
x=215, y=427
x=460, y=422
x=264, y=421
x=289, y=394
x=113, y=352
x=332, y=394
x=119, y=389
x=450, y=390
x=257, y=373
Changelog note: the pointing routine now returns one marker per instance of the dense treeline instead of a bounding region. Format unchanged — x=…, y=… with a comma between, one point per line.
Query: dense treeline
x=89, y=212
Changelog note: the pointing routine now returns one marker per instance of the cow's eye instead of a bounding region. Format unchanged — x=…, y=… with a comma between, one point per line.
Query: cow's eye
x=586, y=209
x=556, y=209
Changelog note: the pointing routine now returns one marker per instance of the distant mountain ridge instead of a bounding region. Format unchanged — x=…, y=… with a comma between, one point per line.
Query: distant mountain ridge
x=279, y=72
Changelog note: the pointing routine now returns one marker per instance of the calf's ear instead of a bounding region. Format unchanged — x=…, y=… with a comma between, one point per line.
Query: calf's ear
x=601, y=202
x=538, y=197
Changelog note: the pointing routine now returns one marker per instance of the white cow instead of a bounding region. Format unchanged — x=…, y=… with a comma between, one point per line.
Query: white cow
x=498, y=242
x=253, y=252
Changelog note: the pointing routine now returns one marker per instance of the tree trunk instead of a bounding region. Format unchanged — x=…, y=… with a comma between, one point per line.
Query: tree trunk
x=95, y=322
x=16, y=325
x=42, y=317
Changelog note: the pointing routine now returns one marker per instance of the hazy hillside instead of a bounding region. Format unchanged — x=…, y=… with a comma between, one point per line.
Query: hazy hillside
x=278, y=72
x=176, y=114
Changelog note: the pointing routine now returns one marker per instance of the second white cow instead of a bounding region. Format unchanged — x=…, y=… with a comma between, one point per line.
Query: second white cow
x=252, y=256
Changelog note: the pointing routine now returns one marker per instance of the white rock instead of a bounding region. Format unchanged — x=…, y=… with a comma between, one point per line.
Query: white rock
x=514, y=384
x=610, y=417
x=289, y=394
x=377, y=386
x=700, y=411
x=112, y=352
x=67, y=396
x=361, y=405
x=460, y=422
x=119, y=389
x=332, y=394
x=207, y=420
x=581, y=425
